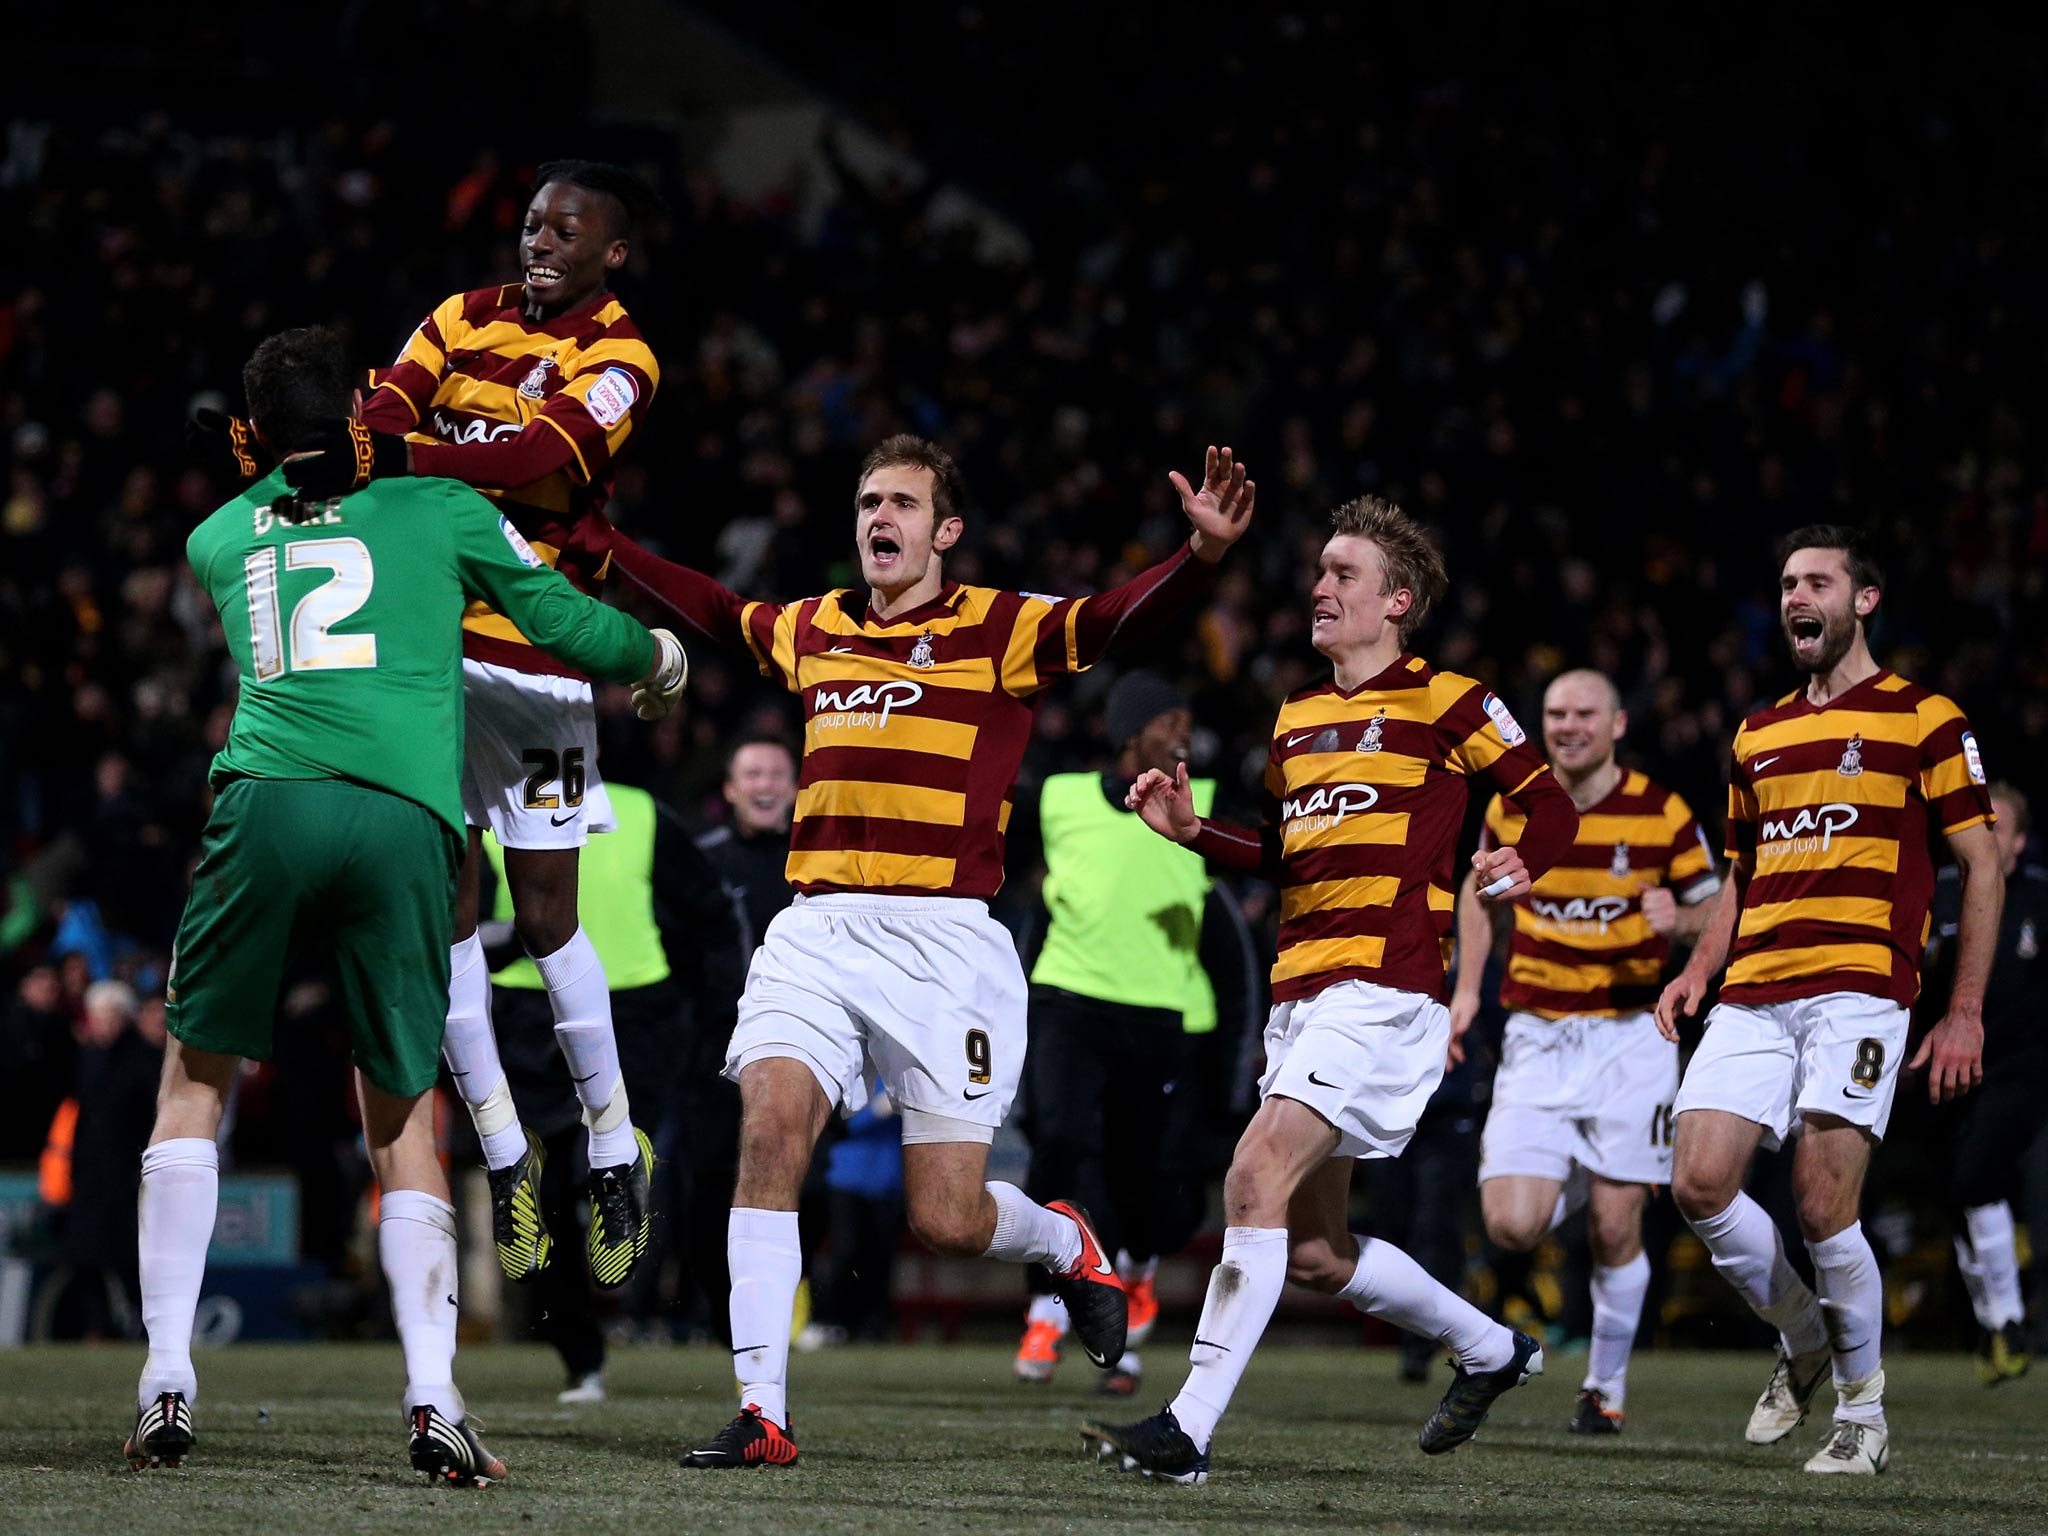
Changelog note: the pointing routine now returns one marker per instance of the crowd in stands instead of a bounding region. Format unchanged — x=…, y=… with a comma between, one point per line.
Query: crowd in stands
x=1608, y=364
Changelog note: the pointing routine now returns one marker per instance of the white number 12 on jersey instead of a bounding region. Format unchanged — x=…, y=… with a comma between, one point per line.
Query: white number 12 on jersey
x=312, y=646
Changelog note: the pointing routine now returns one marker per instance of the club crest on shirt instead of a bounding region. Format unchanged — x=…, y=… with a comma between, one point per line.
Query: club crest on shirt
x=2030, y=942
x=1852, y=757
x=534, y=386
x=1619, y=867
x=921, y=653
x=1370, y=741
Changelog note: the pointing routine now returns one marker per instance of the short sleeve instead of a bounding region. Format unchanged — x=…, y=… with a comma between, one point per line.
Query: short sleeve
x=1952, y=777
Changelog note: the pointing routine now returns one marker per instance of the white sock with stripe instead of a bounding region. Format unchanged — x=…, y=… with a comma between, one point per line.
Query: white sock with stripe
x=471, y=1051
x=583, y=1029
x=174, y=1224
x=416, y=1245
x=1243, y=1290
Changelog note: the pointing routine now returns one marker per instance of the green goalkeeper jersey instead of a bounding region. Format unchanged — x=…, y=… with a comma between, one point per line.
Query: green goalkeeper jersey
x=347, y=627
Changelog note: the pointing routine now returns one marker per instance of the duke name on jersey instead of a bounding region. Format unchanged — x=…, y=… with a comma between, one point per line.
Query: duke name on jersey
x=1582, y=947
x=478, y=371
x=1831, y=808
x=1368, y=793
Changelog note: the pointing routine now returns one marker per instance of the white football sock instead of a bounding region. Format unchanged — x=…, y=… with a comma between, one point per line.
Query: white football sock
x=471, y=1051
x=1027, y=1233
x=1750, y=1252
x=1617, y=1313
x=1973, y=1281
x=1389, y=1284
x=174, y=1223
x=1995, y=1247
x=583, y=1029
x=1048, y=1308
x=416, y=1242
x=1852, y=1301
x=766, y=1263
x=1243, y=1290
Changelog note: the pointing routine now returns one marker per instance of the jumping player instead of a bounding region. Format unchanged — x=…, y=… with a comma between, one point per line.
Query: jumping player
x=1367, y=775
x=335, y=829
x=1585, y=1085
x=528, y=391
x=1833, y=796
x=918, y=698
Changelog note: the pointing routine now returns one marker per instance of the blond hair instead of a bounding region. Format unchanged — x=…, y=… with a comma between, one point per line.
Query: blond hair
x=1408, y=554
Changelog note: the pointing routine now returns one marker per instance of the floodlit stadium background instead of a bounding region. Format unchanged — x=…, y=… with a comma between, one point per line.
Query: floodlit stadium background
x=1610, y=311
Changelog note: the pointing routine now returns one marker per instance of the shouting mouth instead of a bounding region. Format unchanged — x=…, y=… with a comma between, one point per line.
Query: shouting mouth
x=884, y=551
x=1806, y=630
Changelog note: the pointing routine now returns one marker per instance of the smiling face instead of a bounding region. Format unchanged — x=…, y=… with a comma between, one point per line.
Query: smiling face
x=570, y=245
x=1582, y=720
x=1821, y=609
x=760, y=786
x=898, y=533
x=1350, y=606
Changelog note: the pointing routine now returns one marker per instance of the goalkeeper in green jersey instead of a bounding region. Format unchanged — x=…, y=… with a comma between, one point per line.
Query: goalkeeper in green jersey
x=336, y=829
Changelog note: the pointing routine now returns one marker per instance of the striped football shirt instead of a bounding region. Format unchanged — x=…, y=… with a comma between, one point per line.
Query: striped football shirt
x=478, y=371
x=1830, y=811
x=915, y=727
x=1582, y=947
x=1366, y=798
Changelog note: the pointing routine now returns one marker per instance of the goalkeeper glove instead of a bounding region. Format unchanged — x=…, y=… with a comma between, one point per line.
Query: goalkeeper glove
x=214, y=438
x=344, y=456
x=656, y=693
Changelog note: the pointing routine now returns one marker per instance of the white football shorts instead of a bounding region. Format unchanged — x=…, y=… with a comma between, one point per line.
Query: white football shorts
x=1364, y=1057
x=529, y=759
x=1837, y=1054
x=1592, y=1091
x=925, y=992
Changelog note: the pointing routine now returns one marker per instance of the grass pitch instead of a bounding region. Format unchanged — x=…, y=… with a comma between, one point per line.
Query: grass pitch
x=309, y=1440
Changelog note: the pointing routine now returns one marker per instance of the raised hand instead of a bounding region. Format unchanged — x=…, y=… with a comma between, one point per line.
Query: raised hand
x=1222, y=509
x=1165, y=805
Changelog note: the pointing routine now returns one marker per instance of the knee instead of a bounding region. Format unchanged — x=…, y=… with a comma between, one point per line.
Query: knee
x=1700, y=1191
x=1254, y=1190
x=1315, y=1264
x=1615, y=1239
x=1823, y=1211
x=1514, y=1235
x=545, y=924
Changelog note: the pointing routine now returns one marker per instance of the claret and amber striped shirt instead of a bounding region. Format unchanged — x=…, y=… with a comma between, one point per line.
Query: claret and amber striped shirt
x=478, y=372
x=1368, y=792
x=1582, y=947
x=915, y=727
x=1830, y=811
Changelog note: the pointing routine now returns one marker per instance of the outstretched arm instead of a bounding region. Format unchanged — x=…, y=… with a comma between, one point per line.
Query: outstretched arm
x=765, y=632
x=1057, y=637
x=499, y=567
